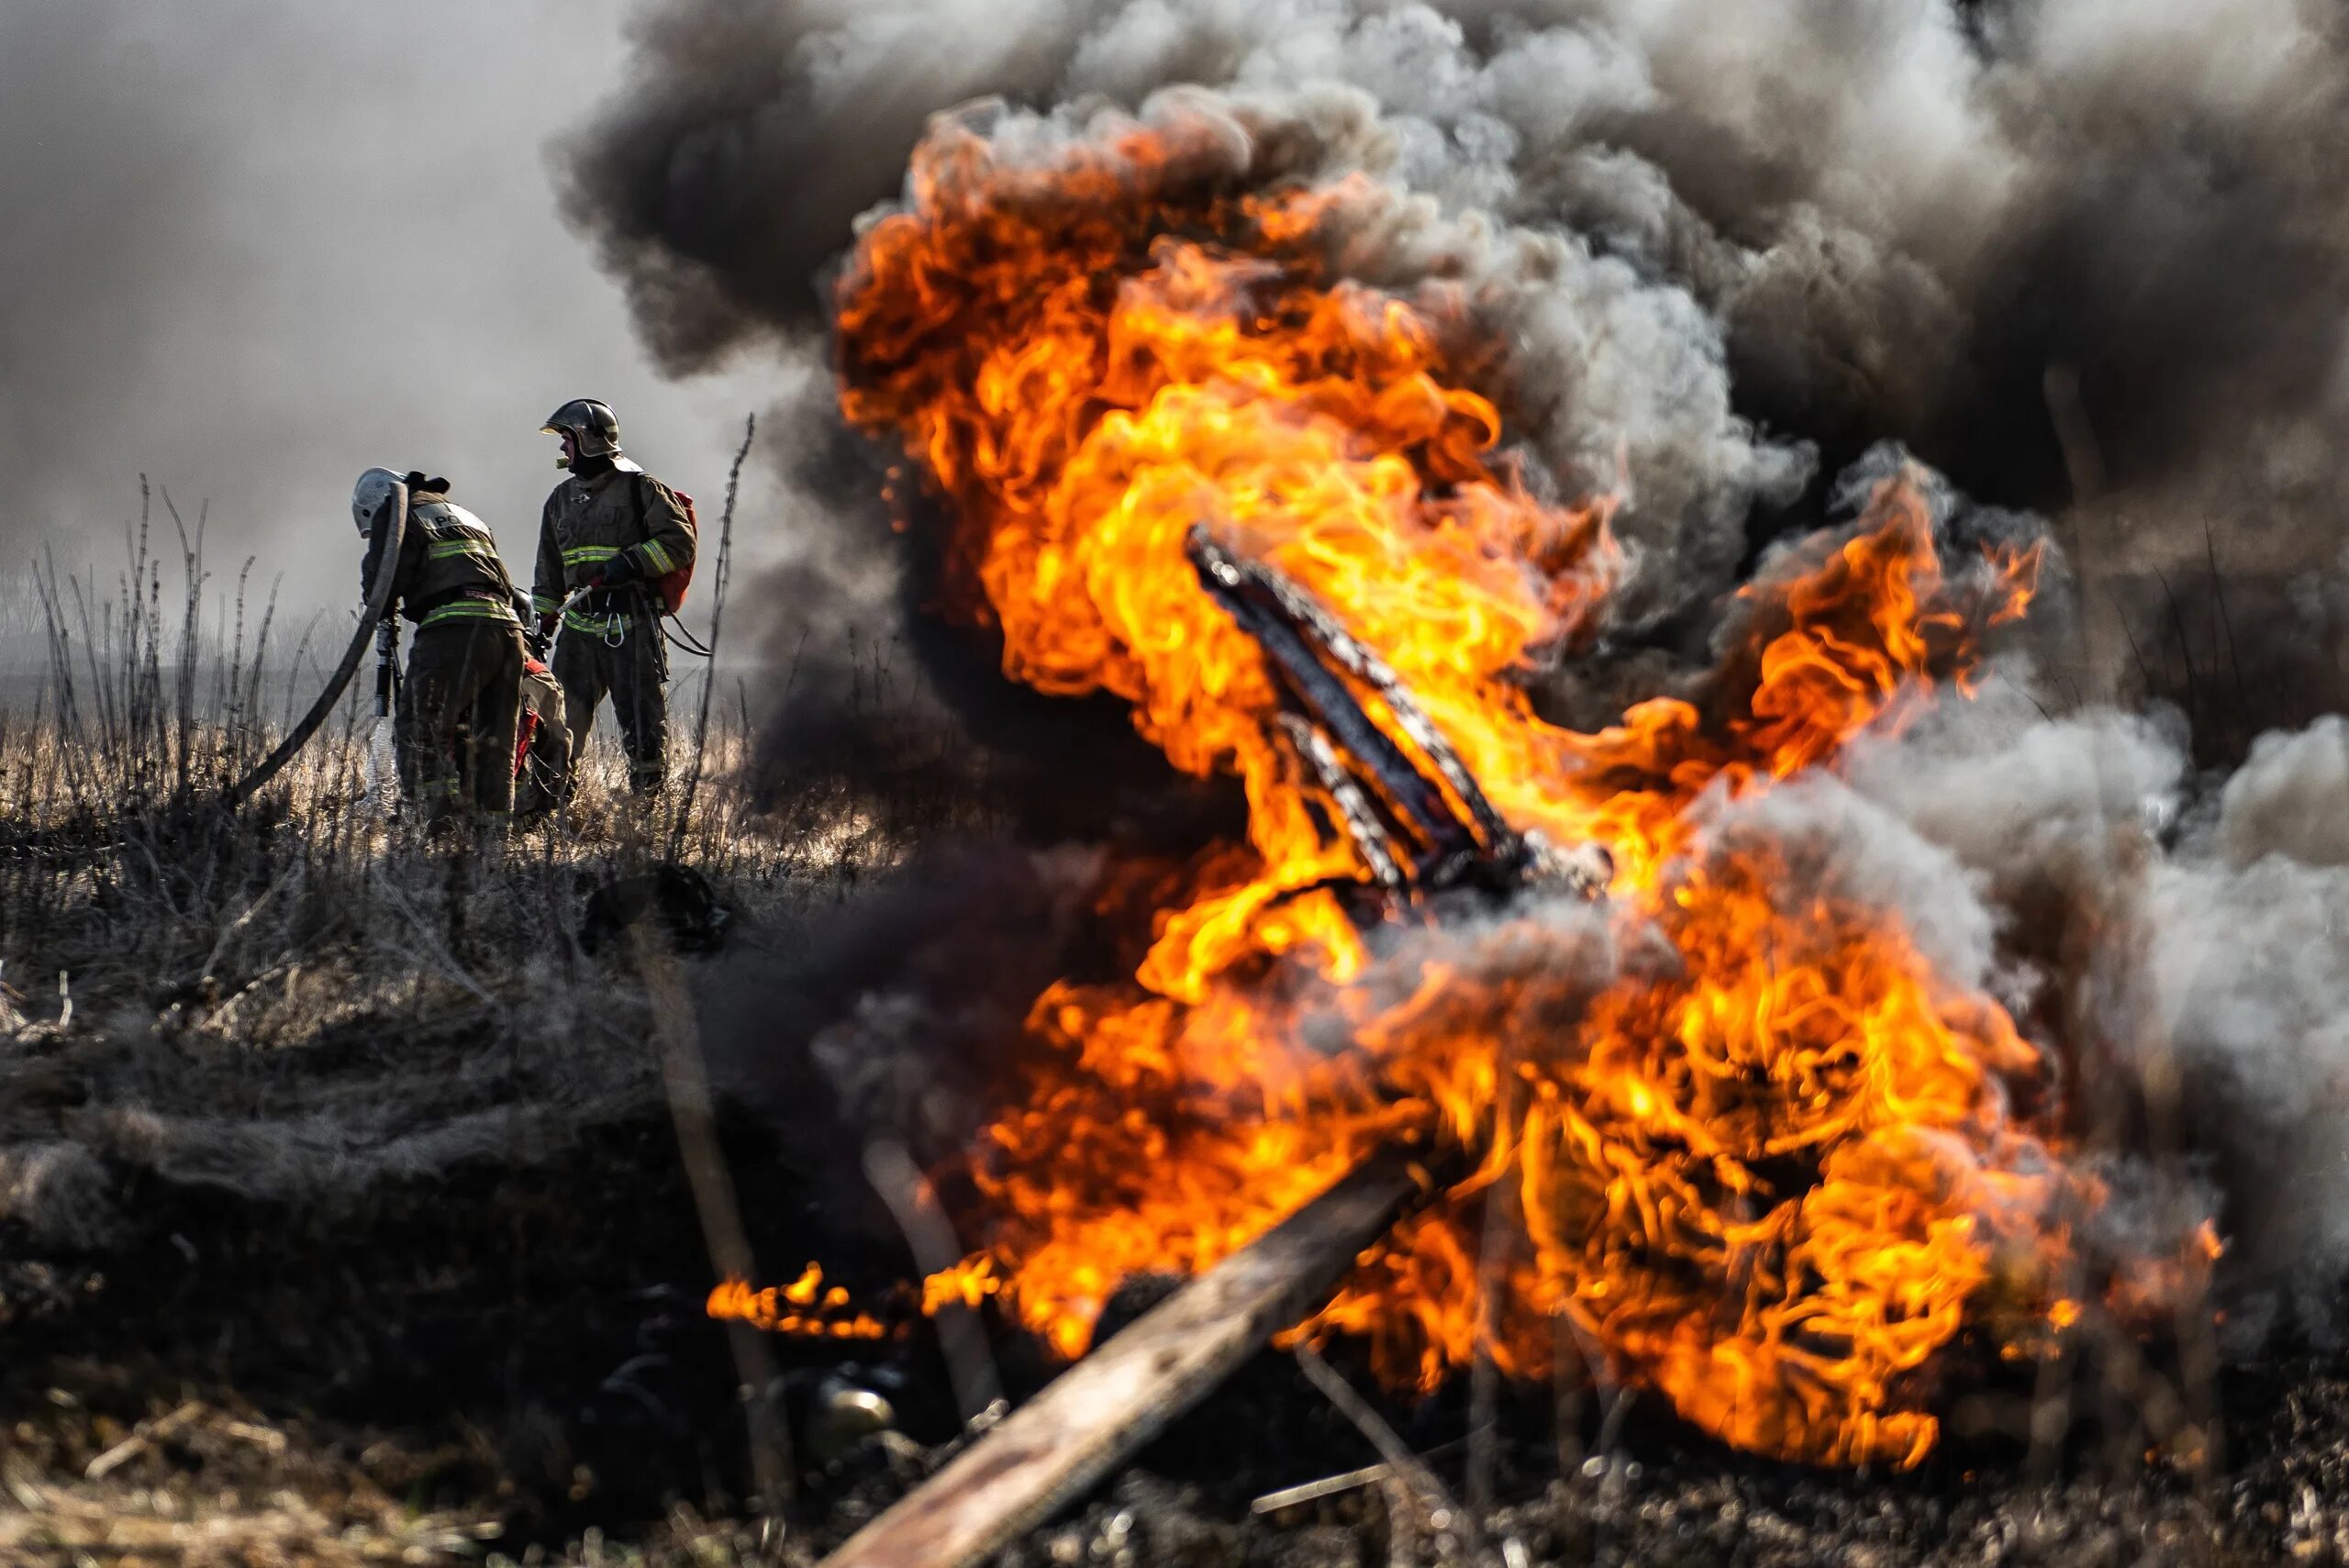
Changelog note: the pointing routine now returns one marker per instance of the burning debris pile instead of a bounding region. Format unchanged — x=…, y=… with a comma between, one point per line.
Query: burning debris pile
x=1743, y=1137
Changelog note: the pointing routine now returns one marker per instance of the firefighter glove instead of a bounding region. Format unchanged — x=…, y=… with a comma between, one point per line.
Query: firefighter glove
x=620, y=571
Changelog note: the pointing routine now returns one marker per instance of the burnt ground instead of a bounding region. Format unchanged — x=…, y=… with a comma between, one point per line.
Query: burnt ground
x=508, y=1357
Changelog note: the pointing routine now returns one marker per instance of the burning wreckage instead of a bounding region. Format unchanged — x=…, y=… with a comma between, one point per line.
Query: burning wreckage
x=1529, y=1042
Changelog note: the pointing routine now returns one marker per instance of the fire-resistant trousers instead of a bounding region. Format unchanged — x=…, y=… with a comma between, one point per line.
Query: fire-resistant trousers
x=635, y=675
x=459, y=716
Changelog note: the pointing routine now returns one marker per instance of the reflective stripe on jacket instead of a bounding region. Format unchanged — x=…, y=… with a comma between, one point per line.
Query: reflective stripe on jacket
x=469, y=609
x=449, y=567
x=599, y=626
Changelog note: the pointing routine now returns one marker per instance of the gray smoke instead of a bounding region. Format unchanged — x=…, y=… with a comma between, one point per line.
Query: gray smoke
x=252, y=250
x=1803, y=219
x=893, y=1010
x=2183, y=936
x=60, y=1192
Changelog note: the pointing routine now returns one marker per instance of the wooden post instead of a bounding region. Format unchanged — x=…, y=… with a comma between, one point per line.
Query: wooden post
x=1095, y=1415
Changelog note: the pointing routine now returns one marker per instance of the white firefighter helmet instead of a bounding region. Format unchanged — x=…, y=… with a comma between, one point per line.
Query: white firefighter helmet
x=591, y=423
x=367, y=495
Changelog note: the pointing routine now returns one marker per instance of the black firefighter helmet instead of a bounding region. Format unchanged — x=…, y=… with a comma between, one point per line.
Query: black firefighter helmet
x=591, y=423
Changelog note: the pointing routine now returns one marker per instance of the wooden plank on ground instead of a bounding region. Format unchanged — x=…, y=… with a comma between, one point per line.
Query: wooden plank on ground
x=1095, y=1415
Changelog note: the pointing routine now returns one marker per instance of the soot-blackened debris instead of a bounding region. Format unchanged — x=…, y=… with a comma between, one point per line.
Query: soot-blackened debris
x=678, y=902
x=641, y=1401
x=1418, y=818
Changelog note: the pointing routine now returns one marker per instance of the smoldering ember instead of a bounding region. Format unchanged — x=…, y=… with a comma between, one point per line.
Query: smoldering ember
x=1388, y=782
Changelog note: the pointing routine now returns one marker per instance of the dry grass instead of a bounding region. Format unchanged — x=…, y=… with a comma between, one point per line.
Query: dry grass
x=161, y=944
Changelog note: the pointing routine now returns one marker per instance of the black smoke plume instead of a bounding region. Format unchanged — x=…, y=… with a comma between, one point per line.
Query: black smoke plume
x=2086, y=257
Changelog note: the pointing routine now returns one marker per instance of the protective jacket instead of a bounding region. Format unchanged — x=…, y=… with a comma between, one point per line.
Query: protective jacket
x=607, y=508
x=464, y=670
x=448, y=570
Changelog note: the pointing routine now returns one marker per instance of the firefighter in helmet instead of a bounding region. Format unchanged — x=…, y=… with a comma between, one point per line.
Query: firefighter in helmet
x=611, y=529
x=459, y=713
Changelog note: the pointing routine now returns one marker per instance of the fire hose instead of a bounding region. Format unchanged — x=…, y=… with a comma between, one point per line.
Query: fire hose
x=671, y=629
x=379, y=598
x=381, y=762
x=563, y=620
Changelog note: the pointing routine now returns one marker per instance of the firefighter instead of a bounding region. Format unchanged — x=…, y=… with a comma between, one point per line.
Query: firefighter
x=612, y=528
x=462, y=701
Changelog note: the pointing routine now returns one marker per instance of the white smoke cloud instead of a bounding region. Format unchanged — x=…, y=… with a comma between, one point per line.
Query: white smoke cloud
x=2210, y=973
x=2288, y=800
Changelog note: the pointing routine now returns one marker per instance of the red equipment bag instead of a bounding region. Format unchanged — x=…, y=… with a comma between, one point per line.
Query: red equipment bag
x=524, y=733
x=527, y=730
x=670, y=586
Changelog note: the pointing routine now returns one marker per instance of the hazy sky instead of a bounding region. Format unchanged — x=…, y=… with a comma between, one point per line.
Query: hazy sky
x=251, y=247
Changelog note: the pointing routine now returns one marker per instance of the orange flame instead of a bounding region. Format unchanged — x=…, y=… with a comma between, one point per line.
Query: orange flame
x=803, y=1309
x=1760, y=1156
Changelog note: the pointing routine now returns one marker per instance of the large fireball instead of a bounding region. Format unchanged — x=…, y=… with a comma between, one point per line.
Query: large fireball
x=1751, y=1150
